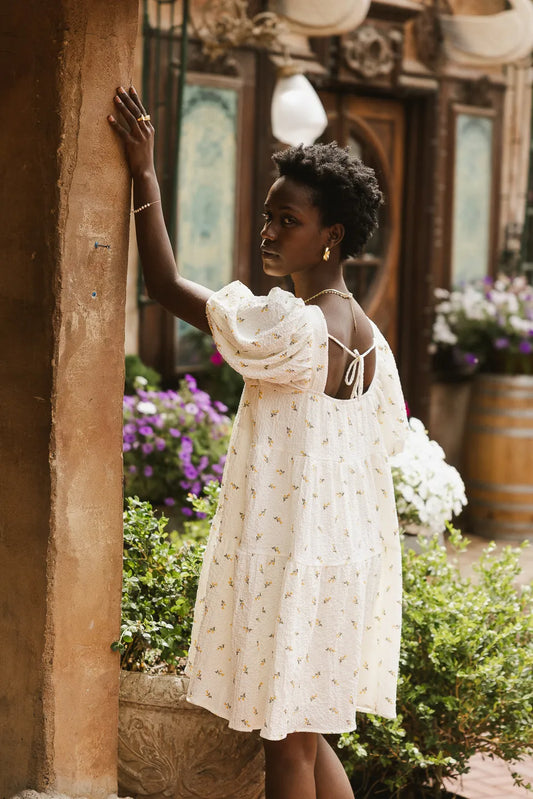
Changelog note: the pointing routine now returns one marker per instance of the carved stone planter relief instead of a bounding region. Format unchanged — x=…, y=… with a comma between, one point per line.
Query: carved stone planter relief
x=171, y=749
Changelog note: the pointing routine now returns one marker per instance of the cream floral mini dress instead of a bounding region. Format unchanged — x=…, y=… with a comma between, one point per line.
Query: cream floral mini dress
x=298, y=613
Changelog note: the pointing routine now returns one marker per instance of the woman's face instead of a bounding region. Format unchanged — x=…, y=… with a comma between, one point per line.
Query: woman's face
x=293, y=238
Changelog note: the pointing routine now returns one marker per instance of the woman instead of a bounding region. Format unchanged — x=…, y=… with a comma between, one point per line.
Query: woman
x=297, y=620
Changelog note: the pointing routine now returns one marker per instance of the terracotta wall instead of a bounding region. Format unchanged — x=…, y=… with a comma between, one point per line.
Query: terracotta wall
x=63, y=187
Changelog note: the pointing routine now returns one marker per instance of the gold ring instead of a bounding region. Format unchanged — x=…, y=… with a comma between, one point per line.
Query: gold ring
x=144, y=118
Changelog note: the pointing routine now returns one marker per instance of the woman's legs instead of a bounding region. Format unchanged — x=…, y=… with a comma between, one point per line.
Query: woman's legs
x=330, y=778
x=304, y=766
x=290, y=767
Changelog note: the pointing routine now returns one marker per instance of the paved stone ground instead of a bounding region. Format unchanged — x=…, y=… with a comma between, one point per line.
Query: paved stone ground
x=490, y=779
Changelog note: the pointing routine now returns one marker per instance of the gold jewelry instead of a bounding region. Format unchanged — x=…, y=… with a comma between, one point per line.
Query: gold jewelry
x=345, y=295
x=144, y=118
x=327, y=253
x=146, y=205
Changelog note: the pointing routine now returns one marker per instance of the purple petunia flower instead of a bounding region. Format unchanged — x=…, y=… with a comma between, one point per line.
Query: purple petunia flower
x=190, y=472
x=217, y=468
x=148, y=471
x=126, y=447
x=470, y=358
x=160, y=444
x=203, y=462
x=191, y=383
x=146, y=430
x=216, y=359
x=174, y=432
x=525, y=347
x=186, y=445
x=501, y=343
x=132, y=469
x=186, y=511
x=147, y=448
x=169, y=501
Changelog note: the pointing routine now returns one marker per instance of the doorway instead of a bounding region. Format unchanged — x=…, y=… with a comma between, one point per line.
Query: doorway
x=374, y=129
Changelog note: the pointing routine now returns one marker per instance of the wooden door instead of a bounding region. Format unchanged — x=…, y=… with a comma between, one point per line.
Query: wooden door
x=374, y=129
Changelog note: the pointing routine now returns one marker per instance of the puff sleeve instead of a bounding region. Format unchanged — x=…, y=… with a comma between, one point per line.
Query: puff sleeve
x=274, y=338
x=390, y=410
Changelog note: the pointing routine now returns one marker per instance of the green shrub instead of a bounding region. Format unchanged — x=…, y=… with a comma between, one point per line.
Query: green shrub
x=136, y=368
x=466, y=661
x=466, y=677
x=160, y=580
x=197, y=529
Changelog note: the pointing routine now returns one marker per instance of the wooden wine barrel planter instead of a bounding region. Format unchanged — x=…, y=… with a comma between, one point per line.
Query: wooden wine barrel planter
x=498, y=462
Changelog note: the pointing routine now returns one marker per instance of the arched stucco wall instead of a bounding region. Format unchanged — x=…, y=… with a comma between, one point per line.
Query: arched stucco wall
x=63, y=187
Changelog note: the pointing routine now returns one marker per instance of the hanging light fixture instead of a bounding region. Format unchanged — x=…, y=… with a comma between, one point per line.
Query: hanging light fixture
x=298, y=116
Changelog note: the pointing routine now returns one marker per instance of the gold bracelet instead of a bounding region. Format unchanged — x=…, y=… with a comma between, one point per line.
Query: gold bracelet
x=146, y=205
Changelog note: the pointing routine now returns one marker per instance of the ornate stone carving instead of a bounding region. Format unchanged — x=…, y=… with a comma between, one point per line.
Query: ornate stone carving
x=171, y=749
x=476, y=92
x=429, y=38
x=31, y=794
x=371, y=51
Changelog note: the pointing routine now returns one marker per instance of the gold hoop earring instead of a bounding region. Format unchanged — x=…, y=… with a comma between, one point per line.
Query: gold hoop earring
x=327, y=253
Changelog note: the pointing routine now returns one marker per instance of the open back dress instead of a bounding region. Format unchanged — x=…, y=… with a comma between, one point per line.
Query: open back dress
x=298, y=613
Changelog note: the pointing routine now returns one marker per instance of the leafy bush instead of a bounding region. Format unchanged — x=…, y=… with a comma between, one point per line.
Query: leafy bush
x=466, y=677
x=466, y=661
x=160, y=580
x=197, y=529
x=174, y=442
x=136, y=369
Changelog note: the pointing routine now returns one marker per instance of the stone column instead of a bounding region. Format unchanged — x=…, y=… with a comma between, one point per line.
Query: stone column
x=63, y=187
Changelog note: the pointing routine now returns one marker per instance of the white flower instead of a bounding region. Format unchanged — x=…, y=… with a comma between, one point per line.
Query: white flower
x=522, y=326
x=428, y=490
x=442, y=332
x=140, y=381
x=148, y=408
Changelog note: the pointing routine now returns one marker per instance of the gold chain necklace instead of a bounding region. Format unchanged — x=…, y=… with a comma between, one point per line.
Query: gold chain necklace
x=344, y=294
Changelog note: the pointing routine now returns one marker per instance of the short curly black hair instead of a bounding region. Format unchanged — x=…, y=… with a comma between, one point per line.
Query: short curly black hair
x=343, y=189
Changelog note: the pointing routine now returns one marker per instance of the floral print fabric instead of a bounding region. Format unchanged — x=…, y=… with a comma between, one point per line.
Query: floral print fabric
x=298, y=613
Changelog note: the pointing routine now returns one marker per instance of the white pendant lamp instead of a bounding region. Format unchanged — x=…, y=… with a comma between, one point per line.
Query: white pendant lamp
x=298, y=116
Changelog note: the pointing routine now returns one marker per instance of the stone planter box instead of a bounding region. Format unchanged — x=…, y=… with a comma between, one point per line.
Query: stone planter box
x=171, y=749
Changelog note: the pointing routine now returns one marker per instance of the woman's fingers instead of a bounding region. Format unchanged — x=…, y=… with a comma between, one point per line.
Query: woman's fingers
x=122, y=132
x=135, y=98
x=126, y=108
x=132, y=109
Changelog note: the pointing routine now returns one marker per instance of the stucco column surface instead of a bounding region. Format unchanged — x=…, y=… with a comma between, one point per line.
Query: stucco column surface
x=64, y=188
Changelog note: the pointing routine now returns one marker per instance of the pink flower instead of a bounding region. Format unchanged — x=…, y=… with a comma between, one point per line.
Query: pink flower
x=216, y=359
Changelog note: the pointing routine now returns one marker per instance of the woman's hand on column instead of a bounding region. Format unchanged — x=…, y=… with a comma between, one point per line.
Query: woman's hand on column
x=182, y=297
x=137, y=134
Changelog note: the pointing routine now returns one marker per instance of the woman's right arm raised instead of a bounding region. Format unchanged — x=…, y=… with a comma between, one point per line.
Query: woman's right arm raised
x=180, y=296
